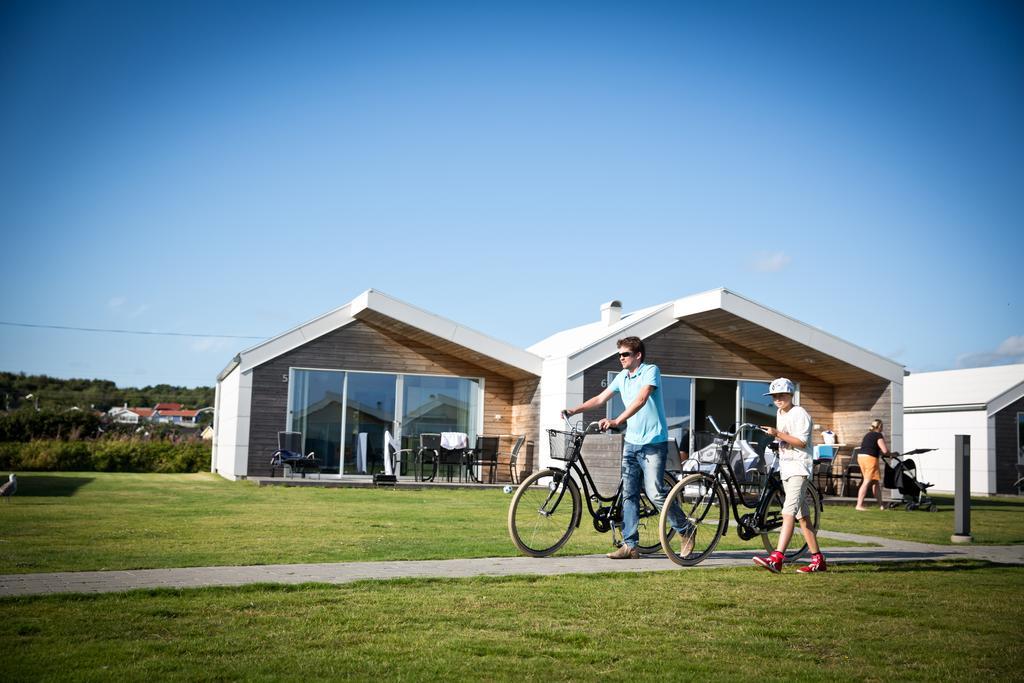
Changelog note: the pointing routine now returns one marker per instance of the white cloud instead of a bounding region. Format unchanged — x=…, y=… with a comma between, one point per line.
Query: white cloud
x=771, y=262
x=116, y=303
x=1010, y=350
x=207, y=344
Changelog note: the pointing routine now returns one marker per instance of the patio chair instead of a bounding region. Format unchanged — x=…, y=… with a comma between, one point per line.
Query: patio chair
x=513, y=460
x=452, y=453
x=429, y=452
x=852, y=468
x=289, y=454
x=824, y=459
x=484, y=456
x=395, y=461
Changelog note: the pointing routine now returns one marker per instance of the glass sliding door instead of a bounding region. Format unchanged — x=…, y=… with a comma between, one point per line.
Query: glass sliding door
x=676, y=395
x=369, y=412
x=717, y=398
x=316, y=410
x=431, y=405
x=758, y=409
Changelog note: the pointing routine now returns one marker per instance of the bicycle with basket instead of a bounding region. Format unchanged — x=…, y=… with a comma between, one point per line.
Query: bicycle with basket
x=548, y=505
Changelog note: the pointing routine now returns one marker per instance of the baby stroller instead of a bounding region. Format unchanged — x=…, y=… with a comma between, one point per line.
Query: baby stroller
x=901, y=474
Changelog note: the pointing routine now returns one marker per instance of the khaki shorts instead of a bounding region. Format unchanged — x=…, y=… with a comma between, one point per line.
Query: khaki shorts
x=869, y=467
x=796, y=497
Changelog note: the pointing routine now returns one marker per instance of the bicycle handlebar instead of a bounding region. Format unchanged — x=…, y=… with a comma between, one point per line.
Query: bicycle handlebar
x=592, y=428
x=739, y=428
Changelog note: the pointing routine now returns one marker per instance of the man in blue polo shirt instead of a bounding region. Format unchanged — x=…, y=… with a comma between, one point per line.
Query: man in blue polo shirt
x=645, y=447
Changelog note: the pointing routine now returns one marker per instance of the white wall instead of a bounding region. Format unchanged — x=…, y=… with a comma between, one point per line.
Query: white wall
x=231, y=431
x=936, y=430
x=556, y=393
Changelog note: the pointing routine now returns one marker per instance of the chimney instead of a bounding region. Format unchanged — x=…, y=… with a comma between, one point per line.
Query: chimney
x=611, y=313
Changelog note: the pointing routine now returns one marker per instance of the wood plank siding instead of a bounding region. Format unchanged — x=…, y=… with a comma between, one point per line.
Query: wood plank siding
x=846, y=401
x=362, y=346
x=1006, y=446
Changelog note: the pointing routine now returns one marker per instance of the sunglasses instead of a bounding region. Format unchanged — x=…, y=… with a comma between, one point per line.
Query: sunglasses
x=625, y=354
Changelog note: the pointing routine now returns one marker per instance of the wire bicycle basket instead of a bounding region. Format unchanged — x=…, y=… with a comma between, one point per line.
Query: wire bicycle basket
x=564, y=445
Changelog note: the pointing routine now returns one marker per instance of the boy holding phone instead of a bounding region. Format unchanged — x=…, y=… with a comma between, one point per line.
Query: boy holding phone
x=793, y=430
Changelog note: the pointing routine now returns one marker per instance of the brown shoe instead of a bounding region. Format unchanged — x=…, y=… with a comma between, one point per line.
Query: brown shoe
x=624, y=552
x=688, y=539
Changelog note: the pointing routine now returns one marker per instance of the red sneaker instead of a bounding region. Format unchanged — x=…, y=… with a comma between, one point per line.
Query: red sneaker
x=817, y=564
x=772, y=563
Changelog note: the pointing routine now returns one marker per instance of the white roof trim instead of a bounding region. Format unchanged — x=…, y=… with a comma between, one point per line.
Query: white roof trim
x=799, y=332
x=1005, y=399
x=446, y=329
x=295, y=337
x=397, y=310
x=642, y=326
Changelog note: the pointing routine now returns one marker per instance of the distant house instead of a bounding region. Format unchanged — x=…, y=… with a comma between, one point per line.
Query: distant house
x=166, y=413
x=126, y=415
x=171, y=413
x=378, y=364
x=986, y=404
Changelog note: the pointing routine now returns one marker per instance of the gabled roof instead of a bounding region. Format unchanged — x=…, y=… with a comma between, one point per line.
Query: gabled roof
x=990, y=389
x=383, y=311
x=731, y=317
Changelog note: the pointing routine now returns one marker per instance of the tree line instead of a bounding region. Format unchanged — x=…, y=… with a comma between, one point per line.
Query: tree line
x=42, y=392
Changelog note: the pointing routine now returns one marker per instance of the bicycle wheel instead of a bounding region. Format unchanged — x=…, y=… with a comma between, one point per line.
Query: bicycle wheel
x=543, y=514
x=703, y=504
x=650, y=519
x=773, y=515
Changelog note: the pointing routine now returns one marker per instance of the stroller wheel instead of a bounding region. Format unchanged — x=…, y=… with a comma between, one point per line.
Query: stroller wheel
x=911, y=506
x=933, y=508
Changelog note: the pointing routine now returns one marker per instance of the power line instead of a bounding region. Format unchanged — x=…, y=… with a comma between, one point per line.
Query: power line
x=157, y=334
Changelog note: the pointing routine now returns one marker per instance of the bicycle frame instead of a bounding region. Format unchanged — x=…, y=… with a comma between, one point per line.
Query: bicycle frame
x=578, y=466
x=603, y=521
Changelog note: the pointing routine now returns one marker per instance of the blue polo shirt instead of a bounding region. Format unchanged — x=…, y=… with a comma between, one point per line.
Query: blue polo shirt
x=649, y=424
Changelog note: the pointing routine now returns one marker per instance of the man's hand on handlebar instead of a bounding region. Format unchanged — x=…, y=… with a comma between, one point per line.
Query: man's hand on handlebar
x=607, y=424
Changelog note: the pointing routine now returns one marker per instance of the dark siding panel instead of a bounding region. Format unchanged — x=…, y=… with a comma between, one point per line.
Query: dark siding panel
x=1006, y=446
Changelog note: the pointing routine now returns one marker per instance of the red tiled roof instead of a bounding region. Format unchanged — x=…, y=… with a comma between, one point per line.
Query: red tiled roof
x=142, y=412
x=167, y=406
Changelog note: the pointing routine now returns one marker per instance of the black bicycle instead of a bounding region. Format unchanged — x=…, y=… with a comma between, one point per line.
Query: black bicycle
x=705, y=498
x=547, y=507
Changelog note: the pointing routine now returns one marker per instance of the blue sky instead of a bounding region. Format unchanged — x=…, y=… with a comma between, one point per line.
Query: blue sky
x=237, y=168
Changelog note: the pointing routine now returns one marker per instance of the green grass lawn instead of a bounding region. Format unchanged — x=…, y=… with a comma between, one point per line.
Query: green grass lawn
x=993, y=521
x=856, y=623
x=93, y=521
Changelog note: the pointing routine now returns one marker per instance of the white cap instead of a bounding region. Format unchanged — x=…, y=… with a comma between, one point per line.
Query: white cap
x=781, y=386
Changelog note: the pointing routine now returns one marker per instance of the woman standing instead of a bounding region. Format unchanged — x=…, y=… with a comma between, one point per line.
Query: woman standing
x=872, y=447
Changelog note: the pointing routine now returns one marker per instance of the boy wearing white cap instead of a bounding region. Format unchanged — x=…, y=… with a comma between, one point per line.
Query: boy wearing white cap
x=793, y=430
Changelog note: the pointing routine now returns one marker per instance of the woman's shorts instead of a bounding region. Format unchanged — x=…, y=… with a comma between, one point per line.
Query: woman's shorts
x=869, y=467
x=796, y=497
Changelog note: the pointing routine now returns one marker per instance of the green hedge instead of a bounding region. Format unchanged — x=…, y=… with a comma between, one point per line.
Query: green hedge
x=113, y=455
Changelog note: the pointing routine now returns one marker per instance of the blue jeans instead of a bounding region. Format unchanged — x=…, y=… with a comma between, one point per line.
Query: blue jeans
x=644, y=463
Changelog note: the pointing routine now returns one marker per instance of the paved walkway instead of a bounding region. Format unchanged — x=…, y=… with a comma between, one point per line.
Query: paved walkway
x=344, y=572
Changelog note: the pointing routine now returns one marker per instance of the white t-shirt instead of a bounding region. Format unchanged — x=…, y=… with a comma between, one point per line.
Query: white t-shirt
x=795, y=461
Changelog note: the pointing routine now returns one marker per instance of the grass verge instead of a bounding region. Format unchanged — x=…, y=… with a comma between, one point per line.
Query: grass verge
x=858, y=622
x=96, y=521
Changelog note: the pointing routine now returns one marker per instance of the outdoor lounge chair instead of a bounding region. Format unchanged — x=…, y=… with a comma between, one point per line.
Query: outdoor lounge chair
x=852, y=469
x=289, y=454
x=428, y=454
x=513, y=460
x=484, y=456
